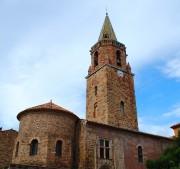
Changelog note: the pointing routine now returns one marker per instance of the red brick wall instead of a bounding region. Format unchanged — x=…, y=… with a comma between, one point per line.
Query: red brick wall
x=152, y=148
x=7, y=139
x=124, y=150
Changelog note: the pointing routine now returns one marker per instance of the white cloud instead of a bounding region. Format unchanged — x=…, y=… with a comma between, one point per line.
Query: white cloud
x=175, y=112
x=38, y=71
x=160, y=123
x=146, y=125
x=172, y=67
x=45, y=54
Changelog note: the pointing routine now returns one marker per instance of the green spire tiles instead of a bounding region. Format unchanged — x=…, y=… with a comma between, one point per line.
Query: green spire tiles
x=107, y=32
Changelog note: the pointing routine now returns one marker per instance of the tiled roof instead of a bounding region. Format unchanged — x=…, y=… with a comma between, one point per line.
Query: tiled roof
x=46, y=106
x=107, y=32
x=128, y=130
x=175, y=126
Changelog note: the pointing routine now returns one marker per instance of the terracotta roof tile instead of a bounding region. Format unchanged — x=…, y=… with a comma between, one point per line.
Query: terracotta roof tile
x=175, y=126
x=47, y=106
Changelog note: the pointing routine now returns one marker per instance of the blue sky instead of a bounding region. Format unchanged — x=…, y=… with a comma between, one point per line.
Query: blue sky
x=44, y=55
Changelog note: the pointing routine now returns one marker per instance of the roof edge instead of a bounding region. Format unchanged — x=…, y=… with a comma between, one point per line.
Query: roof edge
x=175, y=126
x=47, y=107
x=131, y=131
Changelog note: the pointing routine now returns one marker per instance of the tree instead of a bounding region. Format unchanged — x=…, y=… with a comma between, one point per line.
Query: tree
x=170, y=158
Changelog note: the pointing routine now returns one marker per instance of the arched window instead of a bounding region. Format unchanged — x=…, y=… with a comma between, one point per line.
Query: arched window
x=95, y=109
x=118, y=58
x=17, y=149
x=140, y=154
x=105, y=36
x=95, y=90
x=58, y=148
x=96, y=58
x=34, y=147
x=122, y=107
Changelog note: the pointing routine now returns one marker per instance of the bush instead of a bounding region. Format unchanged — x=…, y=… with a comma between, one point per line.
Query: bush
x=170, y=159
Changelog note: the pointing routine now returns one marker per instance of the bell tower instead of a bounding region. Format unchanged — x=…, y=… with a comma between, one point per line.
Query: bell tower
x=110, y=96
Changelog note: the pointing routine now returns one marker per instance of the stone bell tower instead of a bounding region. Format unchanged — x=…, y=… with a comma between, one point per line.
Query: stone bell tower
x=110, y=97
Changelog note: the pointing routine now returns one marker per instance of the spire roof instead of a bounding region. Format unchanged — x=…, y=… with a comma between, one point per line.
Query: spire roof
x=107, y=32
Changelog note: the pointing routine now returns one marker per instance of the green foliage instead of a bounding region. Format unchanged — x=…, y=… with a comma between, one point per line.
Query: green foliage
x=177, y=139
x=170, y=159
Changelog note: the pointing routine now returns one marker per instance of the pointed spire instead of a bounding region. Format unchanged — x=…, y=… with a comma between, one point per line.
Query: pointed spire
x=107, y=31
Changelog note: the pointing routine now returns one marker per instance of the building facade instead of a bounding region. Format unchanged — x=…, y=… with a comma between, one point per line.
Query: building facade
x=7, y=138
x=110, y=96
x=53, y=137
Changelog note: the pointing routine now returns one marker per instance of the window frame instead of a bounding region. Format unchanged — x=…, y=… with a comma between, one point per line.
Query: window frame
x=104, y=149
x=122, y=107
x=58, y=148
x=34, y=147
x=95, y=90
x=118, y=58
x=96, y=57
x=95, y=110
x=140, y=154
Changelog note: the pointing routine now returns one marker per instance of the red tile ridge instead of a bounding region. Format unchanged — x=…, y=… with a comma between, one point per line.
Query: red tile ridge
x=175, y=126
x=47, y=106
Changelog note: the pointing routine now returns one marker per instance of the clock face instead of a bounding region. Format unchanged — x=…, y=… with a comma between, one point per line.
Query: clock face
x=120, y=73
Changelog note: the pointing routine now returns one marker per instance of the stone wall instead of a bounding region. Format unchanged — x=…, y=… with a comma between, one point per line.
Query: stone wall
x=107, y=54
x=47, y=127
x=121, y=89
x=152, y=147
x=101, y=113
x=106, y=91
x=124, y=147
x=111, y=90
x=7, y=139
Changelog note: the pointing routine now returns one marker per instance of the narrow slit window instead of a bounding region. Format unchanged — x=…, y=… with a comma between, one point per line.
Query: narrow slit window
x=118, y=58
x=96, y=58
x=95, y=90
x=58, y=149
x=95, y=110
x=140, y=154
x=122, y=107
